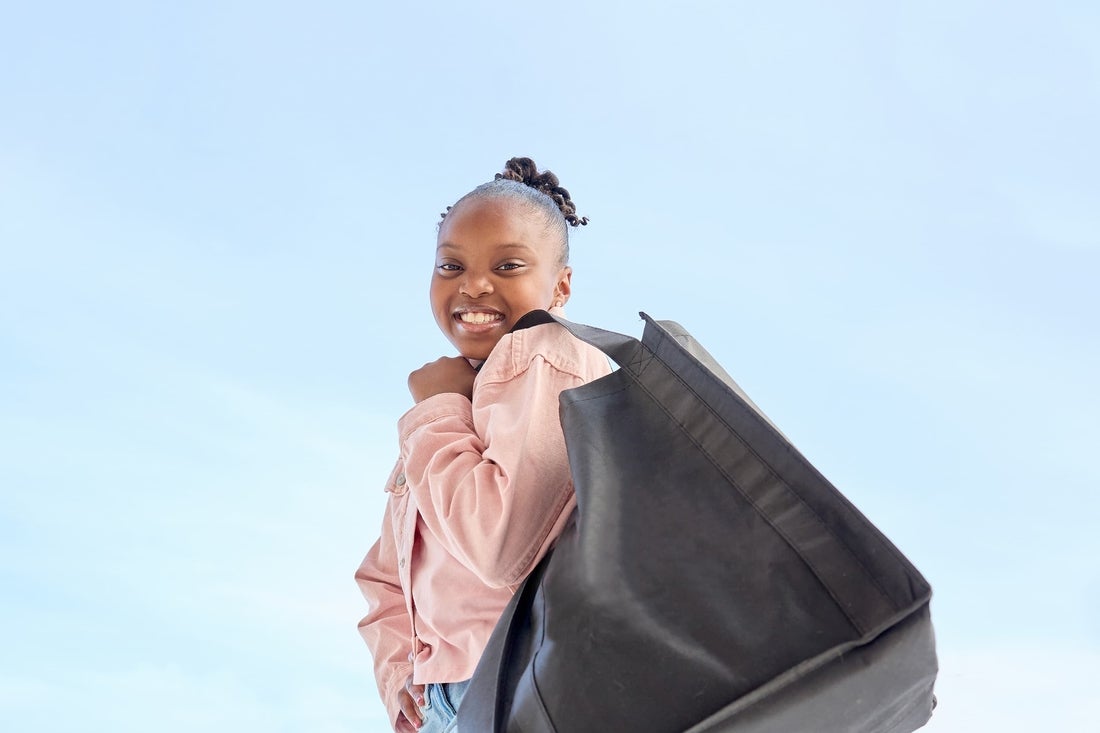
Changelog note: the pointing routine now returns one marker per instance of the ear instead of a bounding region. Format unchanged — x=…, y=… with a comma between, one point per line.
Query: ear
x=563, y=287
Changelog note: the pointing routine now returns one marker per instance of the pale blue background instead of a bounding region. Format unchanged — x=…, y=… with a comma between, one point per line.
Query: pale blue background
x=216, y=231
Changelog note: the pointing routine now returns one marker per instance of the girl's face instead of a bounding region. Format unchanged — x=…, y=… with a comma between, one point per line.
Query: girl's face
x=495, y=261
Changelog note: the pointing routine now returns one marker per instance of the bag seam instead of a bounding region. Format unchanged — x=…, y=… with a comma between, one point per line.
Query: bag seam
x=798, y=550
x=887, y=543
x=772, y=472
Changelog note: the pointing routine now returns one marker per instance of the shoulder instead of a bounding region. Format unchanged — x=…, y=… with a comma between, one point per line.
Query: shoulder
x=548, y=344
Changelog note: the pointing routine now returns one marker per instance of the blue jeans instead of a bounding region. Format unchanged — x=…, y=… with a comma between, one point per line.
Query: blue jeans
x=440, y=703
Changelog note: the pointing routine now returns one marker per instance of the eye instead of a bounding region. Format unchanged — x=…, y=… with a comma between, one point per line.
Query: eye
x=448, y=267
x=509, y=266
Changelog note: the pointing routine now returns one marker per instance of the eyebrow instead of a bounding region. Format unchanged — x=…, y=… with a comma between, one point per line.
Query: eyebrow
x=506, y=245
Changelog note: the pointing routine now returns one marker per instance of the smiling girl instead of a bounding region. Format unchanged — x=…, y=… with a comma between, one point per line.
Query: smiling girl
x=481, y=488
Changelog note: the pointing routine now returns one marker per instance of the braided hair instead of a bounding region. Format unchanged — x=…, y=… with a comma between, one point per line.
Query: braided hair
x=522, y=183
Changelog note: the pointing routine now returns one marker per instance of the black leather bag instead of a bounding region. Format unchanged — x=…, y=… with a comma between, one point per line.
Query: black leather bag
x=710, y=580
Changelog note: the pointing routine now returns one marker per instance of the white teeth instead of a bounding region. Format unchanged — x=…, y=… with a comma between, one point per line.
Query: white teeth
x=479, y=318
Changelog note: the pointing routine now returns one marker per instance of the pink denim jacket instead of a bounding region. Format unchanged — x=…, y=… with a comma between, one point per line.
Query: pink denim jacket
x=480, y=492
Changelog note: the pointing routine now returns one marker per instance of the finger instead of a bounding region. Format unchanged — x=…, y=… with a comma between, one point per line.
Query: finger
x=416, y=692
x=410, y=710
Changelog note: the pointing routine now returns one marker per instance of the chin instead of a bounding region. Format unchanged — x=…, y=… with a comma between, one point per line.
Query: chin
x=475, y=355
x=470, y=351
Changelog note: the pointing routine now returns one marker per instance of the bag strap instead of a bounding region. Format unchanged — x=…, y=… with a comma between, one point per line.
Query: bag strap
x=624, y=350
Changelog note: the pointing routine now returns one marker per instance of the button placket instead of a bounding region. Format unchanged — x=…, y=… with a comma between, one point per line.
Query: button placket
x=398, y=483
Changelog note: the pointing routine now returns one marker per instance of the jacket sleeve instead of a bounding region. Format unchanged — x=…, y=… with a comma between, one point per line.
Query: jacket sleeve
x=386, y=628
x=491, y=478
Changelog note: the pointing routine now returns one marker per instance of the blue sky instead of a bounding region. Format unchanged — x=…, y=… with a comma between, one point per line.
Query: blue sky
x=216, y=227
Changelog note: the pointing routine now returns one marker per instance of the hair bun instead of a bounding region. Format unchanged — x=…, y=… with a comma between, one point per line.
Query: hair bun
x=524, y=170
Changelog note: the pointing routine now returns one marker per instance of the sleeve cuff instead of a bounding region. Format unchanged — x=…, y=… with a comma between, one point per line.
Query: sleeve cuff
x=448, y=404
x=396, y=683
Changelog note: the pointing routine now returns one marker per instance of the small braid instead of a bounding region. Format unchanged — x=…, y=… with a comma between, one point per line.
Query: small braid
x=524, y=170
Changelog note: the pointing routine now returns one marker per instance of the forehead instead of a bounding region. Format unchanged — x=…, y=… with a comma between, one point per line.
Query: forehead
x=495, y=222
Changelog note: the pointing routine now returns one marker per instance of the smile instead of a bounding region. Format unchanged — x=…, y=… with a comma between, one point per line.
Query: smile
x=478, y=318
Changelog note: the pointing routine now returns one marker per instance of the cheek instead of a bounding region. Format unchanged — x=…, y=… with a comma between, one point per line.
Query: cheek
x=547, y=289
x=437, y=293
x=438, y=300
x=442, y=317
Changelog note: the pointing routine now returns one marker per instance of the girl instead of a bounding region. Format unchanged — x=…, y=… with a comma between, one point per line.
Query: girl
x=481, y=487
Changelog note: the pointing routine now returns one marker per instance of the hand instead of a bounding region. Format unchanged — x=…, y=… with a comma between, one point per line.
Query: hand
x=446, y=374
x=411, y=698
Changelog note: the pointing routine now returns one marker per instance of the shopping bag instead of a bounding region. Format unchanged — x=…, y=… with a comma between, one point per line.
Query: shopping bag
x=710, y=580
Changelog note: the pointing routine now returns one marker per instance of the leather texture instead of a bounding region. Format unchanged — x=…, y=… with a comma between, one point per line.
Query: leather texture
x=710, y=580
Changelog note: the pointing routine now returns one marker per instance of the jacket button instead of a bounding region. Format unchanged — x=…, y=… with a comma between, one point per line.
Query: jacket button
x=400, y=480
x=401, y=562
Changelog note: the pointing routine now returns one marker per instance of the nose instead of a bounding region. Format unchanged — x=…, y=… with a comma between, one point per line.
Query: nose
x=475, y=285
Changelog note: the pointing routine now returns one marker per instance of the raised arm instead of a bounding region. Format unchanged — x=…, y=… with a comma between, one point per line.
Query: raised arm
x=491, y=478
